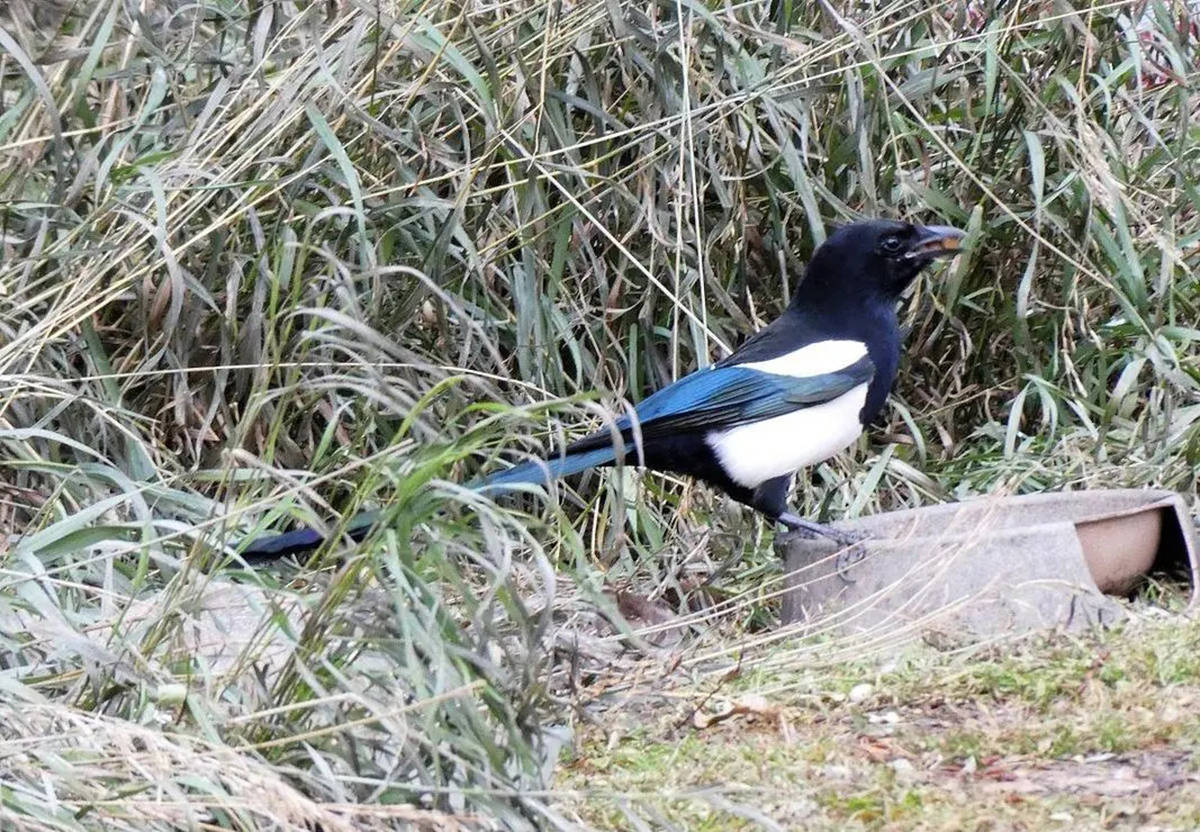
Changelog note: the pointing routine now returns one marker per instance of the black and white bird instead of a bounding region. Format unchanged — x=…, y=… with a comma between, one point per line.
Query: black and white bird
x=794, y=394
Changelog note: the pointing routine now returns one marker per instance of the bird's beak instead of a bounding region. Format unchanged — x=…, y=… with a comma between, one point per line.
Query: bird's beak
x=936, y=241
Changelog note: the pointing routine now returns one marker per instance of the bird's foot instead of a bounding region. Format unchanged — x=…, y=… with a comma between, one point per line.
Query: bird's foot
x=810, y=530
x=853, y=552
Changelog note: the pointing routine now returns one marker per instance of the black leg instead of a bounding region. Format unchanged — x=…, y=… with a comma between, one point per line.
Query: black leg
x=771, y=499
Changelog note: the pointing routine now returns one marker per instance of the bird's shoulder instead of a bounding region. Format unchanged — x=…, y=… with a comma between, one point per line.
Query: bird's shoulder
x=792, y=346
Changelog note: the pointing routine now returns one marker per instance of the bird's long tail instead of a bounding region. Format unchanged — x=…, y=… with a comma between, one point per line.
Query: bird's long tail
x=304, y=540
x=359, y=526
x=541, y=472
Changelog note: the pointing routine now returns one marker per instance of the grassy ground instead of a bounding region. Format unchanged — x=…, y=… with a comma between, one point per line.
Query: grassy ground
x=1097, y=731
x=266, y=263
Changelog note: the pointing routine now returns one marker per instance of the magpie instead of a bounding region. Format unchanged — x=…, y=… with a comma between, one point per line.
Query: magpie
x=794, y=394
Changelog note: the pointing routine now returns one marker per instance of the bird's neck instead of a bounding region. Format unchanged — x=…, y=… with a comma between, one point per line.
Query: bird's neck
x=825, y=286
x=823, y=306
x=831, y=312
x=864, y=317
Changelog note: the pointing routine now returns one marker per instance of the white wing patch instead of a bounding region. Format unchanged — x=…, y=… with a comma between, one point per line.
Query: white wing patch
x=813, y=359
x=754, y=453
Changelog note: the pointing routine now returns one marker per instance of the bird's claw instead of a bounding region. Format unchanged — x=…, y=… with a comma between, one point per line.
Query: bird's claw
x=853, y=552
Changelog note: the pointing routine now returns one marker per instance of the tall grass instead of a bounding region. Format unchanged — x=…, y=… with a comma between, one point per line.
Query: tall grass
x=275, y=261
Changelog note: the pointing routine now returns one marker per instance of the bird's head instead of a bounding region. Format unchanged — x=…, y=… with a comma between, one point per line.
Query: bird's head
x=877, y=258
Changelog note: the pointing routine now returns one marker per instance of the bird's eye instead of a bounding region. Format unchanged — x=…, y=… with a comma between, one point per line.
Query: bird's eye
x=891, y=245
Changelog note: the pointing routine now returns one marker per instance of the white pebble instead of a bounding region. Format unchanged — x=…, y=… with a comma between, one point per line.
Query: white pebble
x=861, y=693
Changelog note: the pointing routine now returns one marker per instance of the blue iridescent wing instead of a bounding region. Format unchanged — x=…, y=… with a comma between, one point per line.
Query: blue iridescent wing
x=724, y=397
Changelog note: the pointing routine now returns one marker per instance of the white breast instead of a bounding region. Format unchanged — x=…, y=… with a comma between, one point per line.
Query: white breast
x=756, y=452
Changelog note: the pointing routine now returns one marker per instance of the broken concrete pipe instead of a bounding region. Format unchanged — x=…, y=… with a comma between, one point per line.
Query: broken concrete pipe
x=991, y=565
